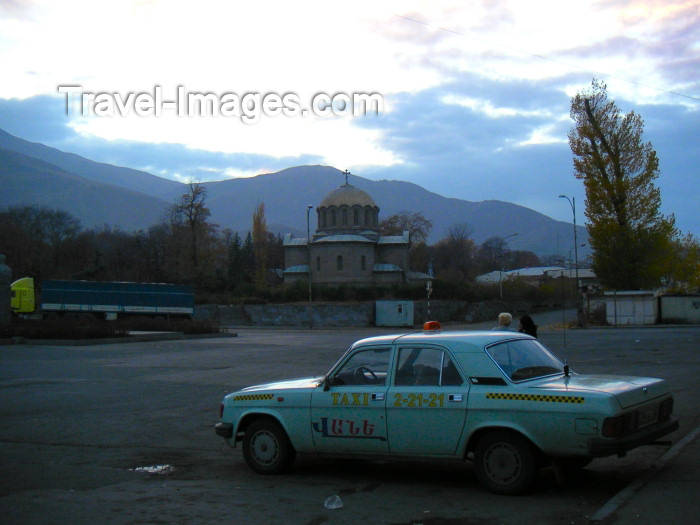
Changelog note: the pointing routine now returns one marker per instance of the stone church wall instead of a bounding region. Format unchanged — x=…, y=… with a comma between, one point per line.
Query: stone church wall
x=351, y=263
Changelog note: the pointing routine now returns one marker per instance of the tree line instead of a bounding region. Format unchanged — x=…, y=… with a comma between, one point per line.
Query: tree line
x=186, y=247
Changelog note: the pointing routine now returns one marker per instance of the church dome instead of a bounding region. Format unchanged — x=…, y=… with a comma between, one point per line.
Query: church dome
x=347, y=210
x=347, y=195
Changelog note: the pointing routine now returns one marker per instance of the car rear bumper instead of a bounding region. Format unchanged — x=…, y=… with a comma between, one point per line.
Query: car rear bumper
x=225, y=430
x=608, y=447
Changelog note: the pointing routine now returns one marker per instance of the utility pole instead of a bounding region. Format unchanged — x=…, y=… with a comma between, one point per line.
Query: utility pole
x=572, y=203
x=308, y=250
x=503, y=264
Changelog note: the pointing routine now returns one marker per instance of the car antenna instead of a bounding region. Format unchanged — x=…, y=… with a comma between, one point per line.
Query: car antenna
x=563, y=321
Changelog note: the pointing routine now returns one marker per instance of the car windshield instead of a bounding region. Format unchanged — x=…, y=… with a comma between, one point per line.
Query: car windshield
x=365, y=367
x=522, y=359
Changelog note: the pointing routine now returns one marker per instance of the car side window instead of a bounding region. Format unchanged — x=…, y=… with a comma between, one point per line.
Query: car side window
x=524, y=359
x=365, y=367
x=450, y=374
x=426, y=367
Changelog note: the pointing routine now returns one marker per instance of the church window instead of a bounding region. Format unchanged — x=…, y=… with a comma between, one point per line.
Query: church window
x=332, y=217
x=363, y=262
x=356, y=216
x=339, y=262
x=345, y=217
x=318, y=264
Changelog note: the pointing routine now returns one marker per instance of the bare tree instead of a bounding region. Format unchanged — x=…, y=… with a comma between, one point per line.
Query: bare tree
x=415, y=223
x=193, y=212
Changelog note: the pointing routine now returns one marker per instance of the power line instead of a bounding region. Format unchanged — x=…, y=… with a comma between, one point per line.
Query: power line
x=543, y=57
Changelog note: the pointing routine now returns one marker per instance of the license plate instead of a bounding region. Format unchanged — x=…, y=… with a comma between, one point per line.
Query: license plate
x=648, y=415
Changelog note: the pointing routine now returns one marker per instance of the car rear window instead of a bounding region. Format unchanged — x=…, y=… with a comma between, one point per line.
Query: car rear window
x=522, y=359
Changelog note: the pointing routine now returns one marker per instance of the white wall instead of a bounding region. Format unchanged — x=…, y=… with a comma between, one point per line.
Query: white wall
x=631, y=308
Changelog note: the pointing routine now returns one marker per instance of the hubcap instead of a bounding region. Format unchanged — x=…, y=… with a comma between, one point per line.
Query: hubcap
x=264, y=448
x=502, y=463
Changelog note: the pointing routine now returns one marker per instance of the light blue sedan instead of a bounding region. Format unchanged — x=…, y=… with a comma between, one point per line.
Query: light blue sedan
x=501, y=399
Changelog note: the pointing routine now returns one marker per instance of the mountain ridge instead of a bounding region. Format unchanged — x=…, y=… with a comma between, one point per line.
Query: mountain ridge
x=127, y=178
x=98, y=193
x=51, y=186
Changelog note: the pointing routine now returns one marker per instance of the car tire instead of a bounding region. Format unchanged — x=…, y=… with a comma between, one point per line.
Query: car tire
x=266, y=447
x=505, y=462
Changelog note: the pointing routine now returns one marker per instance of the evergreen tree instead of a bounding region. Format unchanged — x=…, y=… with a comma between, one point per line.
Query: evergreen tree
x=260, y=243
x=248, y=258
x=235, y=260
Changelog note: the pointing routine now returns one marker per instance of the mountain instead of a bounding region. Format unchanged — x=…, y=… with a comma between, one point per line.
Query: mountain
x=287, y=194
x=99, y=194
x=96, y=171
x=27, y=180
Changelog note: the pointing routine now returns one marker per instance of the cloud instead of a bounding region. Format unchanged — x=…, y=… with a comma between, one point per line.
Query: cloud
x=39, y=119
x=477, y=93
x=486, y=150
x=42, y=119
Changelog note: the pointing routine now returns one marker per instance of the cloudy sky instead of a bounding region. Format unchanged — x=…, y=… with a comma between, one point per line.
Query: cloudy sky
x=475, y=94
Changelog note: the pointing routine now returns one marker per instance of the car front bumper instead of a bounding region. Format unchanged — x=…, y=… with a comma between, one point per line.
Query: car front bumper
x=601, y=447
x=225, y=430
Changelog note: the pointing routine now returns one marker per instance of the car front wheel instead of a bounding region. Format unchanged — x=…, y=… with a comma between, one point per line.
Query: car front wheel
x=266, y=447
x=504, y=462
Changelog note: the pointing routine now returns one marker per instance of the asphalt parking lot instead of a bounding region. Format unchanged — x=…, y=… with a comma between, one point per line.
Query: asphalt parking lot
x=123, y=433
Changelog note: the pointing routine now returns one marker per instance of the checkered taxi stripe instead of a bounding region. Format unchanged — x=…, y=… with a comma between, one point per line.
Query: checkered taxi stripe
x=253, y=397
x=535, y=397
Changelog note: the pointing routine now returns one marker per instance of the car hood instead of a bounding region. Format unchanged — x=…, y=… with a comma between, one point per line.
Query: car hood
x=308, y=382
x=629, y=390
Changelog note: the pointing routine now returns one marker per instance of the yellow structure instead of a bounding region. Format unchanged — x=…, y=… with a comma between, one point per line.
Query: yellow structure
x=22, y=299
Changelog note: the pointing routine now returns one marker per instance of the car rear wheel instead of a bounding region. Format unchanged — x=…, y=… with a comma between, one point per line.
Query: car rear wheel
x=266, y=447
x=505, y=462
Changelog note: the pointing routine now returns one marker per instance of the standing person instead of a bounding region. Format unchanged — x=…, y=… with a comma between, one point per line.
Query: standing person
x=527, y=326
x=504, y=320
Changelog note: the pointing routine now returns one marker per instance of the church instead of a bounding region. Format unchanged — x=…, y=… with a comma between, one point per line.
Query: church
x=347, y=247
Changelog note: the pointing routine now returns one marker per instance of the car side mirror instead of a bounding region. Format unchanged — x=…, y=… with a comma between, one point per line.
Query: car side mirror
x=327, y=383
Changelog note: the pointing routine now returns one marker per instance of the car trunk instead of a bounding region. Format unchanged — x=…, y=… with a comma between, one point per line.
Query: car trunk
x=628, y=390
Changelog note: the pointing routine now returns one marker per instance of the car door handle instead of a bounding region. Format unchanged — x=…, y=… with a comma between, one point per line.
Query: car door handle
x=378, y=397
x=455, y=397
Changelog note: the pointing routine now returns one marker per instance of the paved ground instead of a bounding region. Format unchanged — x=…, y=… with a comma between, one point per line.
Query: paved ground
x=123, y=434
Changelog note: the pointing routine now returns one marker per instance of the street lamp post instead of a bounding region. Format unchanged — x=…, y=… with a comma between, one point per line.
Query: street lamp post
x=503, y=263
x=308, y=250
x=572, y=203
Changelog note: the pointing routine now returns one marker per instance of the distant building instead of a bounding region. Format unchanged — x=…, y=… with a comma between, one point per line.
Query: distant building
x=537, y=276
x=347, y=247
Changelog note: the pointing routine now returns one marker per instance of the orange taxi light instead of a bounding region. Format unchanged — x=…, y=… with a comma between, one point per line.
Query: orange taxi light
x=431, y=326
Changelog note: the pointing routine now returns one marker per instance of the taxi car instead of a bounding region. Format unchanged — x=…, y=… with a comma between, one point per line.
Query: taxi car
x=500, y=399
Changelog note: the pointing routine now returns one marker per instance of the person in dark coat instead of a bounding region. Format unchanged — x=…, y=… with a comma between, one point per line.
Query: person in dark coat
x=527, y=326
